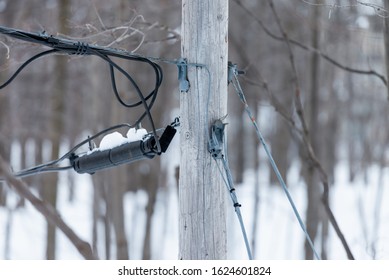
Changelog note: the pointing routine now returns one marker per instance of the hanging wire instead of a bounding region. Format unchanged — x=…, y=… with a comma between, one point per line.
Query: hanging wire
x=217, y=146
x=231, y=189
x=17, y=72
x=235, y=199
x=70, y=47
x=240, y=93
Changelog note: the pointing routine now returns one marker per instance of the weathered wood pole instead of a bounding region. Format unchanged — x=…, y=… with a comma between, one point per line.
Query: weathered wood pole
x=202, y=194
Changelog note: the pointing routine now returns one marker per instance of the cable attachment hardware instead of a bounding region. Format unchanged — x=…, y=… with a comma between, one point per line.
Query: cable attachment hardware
x=183, y=75
x=215, y=144
x=233, y=71
x=125, y=153
x=82, y=49
x=176, y=122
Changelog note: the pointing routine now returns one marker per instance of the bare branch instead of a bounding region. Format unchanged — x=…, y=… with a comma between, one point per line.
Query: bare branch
x=276, y=103
x=305, y=137
x=297, y=99
x=99, y=18
x=112, y=35
x=48, y=211
x=7, y=48
x=311, y=49
x=379, y=10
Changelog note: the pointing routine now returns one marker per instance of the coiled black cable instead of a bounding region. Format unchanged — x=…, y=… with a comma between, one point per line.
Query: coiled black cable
x=70, y=47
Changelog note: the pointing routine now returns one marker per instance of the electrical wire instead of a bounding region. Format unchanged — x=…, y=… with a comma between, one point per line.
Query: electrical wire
x=70, y=47
x=80, y=48
x=147, y=107
x=231, y=189
x=240, y=93
x=228, y=181
x=52, y=166
x=17, y=72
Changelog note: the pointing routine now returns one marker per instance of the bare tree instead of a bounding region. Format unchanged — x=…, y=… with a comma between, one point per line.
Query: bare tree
x=43, y=107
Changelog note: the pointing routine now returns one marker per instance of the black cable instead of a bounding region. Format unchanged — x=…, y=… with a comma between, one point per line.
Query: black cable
x=153, y=94
x=113, y=81
x=48, y=167
x=79, y=48
x=17, y=72
x=116, y=92
x=42, y=170
x=140, y=94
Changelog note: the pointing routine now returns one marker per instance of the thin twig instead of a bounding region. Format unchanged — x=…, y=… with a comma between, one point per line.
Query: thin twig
x=311, y=49
x=275, y=102
x=7, y=48
x=379, y=10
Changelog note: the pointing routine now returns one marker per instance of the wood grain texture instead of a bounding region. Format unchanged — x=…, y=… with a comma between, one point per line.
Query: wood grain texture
x=202, y=222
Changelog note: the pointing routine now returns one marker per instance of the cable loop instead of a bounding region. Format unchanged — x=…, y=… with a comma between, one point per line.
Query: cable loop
x=81, y=48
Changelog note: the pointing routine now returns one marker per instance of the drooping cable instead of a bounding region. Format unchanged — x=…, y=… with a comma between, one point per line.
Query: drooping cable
x=61, y=45
x=71, y=47
x=27, y=62
x=140, y=95
x=240, y=93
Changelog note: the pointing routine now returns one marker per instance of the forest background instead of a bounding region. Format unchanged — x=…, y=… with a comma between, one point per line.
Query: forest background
x=333, y=52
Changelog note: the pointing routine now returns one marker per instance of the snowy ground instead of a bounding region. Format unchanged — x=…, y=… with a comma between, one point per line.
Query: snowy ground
x=279, y=235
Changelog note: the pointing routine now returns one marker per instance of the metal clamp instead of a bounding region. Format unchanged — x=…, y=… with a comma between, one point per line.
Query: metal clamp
x=183, y=75
x=215, y=144
x=233, y=71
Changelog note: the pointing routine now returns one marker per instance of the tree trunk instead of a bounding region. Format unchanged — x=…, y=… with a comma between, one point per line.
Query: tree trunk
x=8, y=18
x=49, y=190
x=386, y=33
x=257, y=187
x=5, y=143
x=152, y=194
x=117, y=189
x=116, y=194
x=202, y=220
x=312, y=180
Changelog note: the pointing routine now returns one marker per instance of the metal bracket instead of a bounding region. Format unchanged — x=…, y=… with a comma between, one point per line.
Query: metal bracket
x=183, y=75
x=233, y=71
x=176, y=122
x=215, y=144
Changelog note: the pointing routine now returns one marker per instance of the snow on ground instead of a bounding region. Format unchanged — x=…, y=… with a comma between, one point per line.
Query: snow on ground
x=278, y=236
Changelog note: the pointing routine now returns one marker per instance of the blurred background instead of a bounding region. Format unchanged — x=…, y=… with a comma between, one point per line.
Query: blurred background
x=130, y=212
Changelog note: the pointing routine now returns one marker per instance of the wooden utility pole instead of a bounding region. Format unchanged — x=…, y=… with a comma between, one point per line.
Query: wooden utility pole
x=202, y=220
